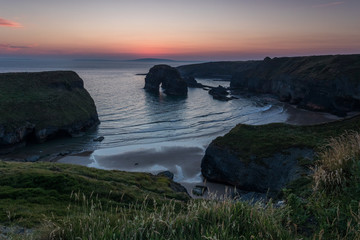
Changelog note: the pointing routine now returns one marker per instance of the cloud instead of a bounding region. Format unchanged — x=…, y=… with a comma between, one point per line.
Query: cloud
x=328, y=4
x=7, y=23
x=14, y=47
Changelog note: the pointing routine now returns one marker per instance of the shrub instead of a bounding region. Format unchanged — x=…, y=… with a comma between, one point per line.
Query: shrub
x=337, y=163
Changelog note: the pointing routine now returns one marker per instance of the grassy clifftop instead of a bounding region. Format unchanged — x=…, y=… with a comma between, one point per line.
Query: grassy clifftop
x=42, y=104
x=29, y=191
x=45, y=99
x=265, y=140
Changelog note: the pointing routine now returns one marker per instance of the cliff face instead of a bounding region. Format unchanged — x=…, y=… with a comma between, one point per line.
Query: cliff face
x=43, y=105
x=222, y=70
x=268, y=174
x=268, y=157
x=322, y=83
x=168, y=77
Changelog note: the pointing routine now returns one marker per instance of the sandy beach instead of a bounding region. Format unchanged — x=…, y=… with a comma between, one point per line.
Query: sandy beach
x=182, y=160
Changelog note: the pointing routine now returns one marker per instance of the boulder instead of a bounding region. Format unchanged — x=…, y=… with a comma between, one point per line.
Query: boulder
x=168, y=77
x=199, y=190
x=166, y=174
x=177, y=187
x=220, y=93
x=99, y=139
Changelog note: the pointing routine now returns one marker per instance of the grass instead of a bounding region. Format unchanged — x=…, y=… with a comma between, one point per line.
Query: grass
x=72, y=202
x=55, y=99
x=198, y=219
x=28, y=191
x=338, y=163
x=257, y=142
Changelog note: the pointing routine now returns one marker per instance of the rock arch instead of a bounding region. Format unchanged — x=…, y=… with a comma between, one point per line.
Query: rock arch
x=169, y=78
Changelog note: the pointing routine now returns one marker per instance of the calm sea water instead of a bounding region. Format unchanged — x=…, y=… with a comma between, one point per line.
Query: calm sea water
x=131, y=117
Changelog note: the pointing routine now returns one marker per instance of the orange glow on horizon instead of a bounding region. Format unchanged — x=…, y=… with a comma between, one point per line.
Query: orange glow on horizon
x=208, y=29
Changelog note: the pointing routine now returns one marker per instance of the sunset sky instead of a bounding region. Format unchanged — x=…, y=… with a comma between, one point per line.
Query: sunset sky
x=179, y=29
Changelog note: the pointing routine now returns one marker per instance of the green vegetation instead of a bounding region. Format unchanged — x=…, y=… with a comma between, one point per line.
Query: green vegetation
x=28, y=191
x=338, y=163
x=45, y=99
x=251, y=142
x=200, y=219
x=72, y=202
x=328, y=206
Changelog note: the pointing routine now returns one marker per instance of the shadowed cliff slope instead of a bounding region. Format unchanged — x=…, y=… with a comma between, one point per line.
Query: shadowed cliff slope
x=43, y=105
x=321, y=83
x=221, y=70
x=259, y=158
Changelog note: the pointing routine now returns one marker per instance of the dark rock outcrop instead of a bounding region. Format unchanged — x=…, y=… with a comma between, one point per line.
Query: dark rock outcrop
x=268, y=174
x=199, y=190
x=43, y=105
x=99, y=139
x=166, y=174
x=168, y=77
x=192, y=83
x=271, y=156
x=219, y=93
x=321, y=83
x=177, y=187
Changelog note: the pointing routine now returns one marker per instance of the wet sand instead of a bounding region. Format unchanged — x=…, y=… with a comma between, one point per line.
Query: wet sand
x=183, y=161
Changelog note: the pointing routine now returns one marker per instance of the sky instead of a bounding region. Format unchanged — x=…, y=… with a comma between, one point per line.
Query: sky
x=179, y=29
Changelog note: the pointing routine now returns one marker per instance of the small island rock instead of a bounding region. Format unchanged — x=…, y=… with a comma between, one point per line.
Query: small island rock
x=219, y=93
x=168, y=77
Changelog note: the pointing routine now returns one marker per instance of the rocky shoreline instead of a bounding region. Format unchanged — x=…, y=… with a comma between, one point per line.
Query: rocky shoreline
x=260, y=159
x=267, y=158
x=318, y=83
x=40, y=106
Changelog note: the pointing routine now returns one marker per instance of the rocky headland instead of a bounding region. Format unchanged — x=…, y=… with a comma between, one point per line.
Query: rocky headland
x=39, y=106
x=216, y=70
x=318, y=83
x=266, y=158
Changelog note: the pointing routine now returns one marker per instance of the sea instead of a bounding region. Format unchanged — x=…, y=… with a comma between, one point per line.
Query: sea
x=136, y=121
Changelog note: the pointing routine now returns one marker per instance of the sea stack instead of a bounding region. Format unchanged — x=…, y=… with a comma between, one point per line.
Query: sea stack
x=169, y=78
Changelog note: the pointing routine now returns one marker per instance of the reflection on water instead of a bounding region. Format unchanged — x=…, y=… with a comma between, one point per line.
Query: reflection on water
x=130, y=116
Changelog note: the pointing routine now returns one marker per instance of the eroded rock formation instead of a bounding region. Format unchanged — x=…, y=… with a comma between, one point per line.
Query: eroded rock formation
x=168, y=77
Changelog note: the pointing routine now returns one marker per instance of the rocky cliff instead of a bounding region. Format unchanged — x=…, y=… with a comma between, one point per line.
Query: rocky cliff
x=168, y=77
x=221, y=70
x=322, y=83
x=43, y=105
x=268, y=157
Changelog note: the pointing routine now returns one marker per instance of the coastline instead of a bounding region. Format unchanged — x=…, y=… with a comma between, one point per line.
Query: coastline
x=183, y=161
